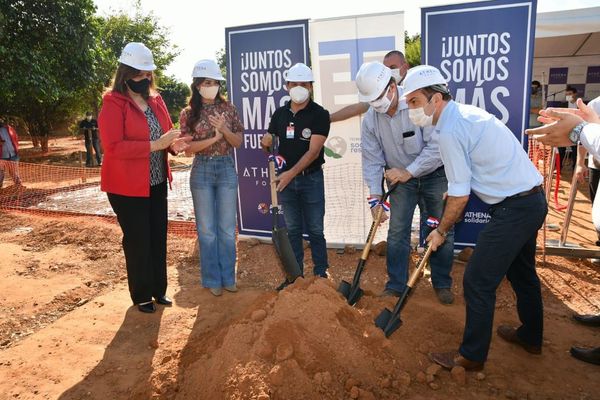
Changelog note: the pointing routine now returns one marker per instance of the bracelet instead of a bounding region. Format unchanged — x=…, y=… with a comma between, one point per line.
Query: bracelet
x=443, y=234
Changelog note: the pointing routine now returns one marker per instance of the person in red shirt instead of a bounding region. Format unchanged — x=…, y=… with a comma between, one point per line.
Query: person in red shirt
x=136, y=132
x=9, y=153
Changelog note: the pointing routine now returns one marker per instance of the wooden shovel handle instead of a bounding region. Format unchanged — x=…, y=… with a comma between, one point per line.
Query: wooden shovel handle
x=273, y=183
x=417, y=272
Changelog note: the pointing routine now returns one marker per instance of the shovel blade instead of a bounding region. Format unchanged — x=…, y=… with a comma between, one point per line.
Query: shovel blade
x=388, y=322
x=283, y=247
x=355, y=296
x=344, y=289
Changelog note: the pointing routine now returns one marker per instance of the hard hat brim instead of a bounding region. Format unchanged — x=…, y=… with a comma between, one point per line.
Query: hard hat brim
x=140, y=67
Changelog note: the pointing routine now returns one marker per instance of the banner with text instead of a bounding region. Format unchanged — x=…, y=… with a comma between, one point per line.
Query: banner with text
x=258, y=59
x=485, y=52
x=339, y=46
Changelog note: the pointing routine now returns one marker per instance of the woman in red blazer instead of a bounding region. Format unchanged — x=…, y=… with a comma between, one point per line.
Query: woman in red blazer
x=136, y=132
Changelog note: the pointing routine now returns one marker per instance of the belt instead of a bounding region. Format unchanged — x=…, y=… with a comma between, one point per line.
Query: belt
x=310, y=170
x=536, y=189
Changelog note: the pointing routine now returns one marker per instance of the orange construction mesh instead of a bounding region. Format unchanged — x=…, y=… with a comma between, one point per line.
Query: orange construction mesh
x=66, y=191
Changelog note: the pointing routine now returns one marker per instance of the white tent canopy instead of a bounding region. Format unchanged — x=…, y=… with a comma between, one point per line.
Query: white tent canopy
x=568, y=33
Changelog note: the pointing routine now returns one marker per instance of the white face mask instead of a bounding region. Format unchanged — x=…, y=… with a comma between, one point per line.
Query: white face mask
x=418, y=117
x=383, y=104
x=396, y=75
x=299, y=94
x=89, y=118
x=569, y=98
x=209, y=92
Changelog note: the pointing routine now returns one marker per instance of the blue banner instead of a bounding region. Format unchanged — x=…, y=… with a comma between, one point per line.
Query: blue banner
x=485, y=52
x=258, y=57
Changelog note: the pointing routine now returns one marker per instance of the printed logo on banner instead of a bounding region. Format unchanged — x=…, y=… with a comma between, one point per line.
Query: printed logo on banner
x=485, y=52
x=258, y=59
x=593, y=75
x=558, y=75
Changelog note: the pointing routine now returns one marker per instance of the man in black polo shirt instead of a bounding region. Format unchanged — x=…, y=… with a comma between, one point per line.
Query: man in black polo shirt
x=89, y=128
x=302, y=126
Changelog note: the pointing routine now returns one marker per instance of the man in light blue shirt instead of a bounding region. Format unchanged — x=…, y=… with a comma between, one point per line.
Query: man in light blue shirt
x=9, y=153
x=411, y=156
x=481, y=155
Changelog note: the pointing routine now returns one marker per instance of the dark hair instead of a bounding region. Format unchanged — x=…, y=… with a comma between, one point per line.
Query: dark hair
x=195, y=103
x=537, y=83
x=125, y=73
x=89, y=113
x=395, y=53
x=571, y=89
x=442, y=89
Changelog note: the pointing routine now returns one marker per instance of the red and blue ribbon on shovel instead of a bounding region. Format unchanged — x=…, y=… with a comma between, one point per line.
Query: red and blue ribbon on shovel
x=374, y=202
x=279, y=162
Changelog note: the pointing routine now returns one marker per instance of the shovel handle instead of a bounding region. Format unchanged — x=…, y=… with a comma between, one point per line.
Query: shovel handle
x=417, y=272
x=273, y=184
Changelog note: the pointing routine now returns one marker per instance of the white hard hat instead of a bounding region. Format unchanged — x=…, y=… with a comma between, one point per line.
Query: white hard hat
x=207, y=69
x=371, y=79
x=137, y=56
x=299, y=73
x=420, y=77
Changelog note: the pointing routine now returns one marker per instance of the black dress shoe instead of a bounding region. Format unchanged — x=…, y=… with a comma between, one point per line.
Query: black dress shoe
x=164, y=300
x=591, y=356
x=147, y=307
x=589, y=320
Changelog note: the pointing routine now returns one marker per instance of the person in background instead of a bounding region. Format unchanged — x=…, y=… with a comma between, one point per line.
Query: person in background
x=571, y=97
x=396, y=62
x=535, y=103
x=216, y=130
x=136, y=131
x=9, y=153
x=89, y=128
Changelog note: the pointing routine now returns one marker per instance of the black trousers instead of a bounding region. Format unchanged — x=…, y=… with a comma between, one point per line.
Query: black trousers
x=505, y=247
x=143, y=221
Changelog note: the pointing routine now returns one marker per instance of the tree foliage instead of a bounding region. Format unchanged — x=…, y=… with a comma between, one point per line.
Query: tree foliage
x=175, y=95
x=412, y=49
x=57, y=58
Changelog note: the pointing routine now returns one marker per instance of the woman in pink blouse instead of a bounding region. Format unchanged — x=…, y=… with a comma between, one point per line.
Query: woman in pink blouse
x=216, y=129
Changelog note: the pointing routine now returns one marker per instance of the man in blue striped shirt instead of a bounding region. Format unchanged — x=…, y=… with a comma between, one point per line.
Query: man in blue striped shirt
x=390, y=140
x=481, y=155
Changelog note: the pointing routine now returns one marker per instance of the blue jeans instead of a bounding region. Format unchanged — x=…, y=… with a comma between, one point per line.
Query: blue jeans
x=213, y=182
x=303, y=202
x=95, y=143
x=427, y=192
x=506, y=246
x=12, y=168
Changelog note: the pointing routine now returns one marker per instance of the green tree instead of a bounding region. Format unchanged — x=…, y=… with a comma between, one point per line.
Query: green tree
x=46, y=59
x=114, y=32
x=175, y=95
x=412, y=49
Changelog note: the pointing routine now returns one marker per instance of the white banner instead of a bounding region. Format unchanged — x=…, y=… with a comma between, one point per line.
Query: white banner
x=338, y=48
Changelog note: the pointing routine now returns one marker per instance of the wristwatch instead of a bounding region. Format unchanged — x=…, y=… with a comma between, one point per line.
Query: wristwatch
x=576, y=132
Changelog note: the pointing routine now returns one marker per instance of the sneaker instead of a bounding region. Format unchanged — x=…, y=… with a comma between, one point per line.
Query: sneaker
x=444, y=295
x=233, y=288
x=216, y=291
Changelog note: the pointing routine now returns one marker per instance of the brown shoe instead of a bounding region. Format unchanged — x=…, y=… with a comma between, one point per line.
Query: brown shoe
x=453, y=359
x=509, y=334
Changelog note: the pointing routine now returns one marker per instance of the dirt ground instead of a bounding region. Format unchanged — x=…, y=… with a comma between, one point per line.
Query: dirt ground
x=68, y=331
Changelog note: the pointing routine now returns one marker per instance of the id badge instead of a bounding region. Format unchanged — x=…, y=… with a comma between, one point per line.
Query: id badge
x=289, y=132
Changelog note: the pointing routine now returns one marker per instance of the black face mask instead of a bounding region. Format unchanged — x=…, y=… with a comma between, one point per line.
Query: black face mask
x=139, y=86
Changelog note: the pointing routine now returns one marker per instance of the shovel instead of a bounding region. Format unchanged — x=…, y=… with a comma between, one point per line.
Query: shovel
x=353, y=292
x=389, y=321
x=281, y=241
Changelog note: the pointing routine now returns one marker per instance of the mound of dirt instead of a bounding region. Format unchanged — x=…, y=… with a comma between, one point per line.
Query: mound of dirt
x=303, y=343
